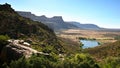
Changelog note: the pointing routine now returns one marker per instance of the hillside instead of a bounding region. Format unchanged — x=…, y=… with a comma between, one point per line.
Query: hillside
x=18, y=27
x=56, y=22
x=104, y=51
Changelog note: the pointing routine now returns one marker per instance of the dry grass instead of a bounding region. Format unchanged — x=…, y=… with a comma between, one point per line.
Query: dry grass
x=101, y=35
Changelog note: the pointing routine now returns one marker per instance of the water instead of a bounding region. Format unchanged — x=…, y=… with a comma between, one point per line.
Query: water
x=89, y=43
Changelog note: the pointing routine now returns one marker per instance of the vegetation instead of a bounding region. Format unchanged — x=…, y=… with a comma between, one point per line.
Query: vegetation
x=104, y=51
x=111, y=62
x=77, y=61
x=83, y=38
x=117, y=38
x=53, y=61
x=70, y=46
x=3, y=41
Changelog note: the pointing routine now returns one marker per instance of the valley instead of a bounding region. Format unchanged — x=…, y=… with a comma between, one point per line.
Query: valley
x=102, y=36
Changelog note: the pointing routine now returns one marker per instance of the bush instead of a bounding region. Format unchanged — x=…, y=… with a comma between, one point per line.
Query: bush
x=3, y=41
x=79, y=61
x=111, y=62
x=117, y=38
x=41, y=61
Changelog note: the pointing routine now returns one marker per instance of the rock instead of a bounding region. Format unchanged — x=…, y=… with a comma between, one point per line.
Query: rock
x=16, y=50
x=26, y=44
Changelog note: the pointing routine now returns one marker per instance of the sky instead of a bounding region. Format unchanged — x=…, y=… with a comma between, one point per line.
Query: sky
x=104, y=13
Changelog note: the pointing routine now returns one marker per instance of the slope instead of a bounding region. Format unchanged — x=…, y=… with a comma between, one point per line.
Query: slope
x=18, y=27
x=103, y=51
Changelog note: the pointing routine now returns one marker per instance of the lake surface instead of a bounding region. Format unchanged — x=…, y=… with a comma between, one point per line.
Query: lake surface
x=89, y=43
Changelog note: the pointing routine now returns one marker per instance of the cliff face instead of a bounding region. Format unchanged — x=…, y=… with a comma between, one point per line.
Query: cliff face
x=26, y=14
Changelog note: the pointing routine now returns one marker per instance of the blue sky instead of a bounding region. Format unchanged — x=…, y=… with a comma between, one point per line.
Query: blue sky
x=105, y=13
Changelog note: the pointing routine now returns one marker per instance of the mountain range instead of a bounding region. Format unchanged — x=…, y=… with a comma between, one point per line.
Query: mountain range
x=57, y=22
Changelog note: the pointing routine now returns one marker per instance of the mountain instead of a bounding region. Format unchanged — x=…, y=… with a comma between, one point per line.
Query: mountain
x=84, y=26
x=56, y=22
x=18, y=27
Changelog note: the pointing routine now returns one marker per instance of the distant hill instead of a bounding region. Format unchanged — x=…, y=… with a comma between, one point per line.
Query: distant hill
x=84, y=26
x=56, y=22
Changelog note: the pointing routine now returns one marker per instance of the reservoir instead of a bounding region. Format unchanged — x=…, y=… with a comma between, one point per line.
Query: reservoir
x=89, y=43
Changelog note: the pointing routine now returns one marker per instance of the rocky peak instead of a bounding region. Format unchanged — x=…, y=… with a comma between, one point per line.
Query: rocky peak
x=6, y=7
x=43, y=16
x=26, y=14
x=57, y=17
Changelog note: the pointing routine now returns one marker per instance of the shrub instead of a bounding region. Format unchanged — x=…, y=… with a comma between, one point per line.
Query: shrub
x=79, y=61
x=111, y=62
x=3, y=41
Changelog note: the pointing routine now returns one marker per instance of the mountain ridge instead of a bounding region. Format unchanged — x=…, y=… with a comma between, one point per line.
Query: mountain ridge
x=57, y=22
x=84, y=26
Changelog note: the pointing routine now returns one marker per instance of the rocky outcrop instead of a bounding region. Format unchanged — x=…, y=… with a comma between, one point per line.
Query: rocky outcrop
x=15, y=50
